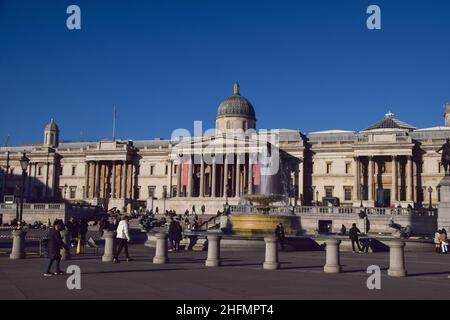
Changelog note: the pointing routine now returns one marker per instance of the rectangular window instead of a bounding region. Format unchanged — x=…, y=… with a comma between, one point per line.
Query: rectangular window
x=73, y=192
x=348, y=168
x=328, y=192
x=329, y=167
x=74, y=171
x=167, y=170
x=164, y=194
x=175, y=168
x=348, y=194
x=152, y=170
x=39, y=171
x=174, y=192
x=151, y=191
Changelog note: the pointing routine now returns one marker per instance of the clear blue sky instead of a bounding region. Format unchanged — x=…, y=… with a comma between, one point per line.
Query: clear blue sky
x=308, y=65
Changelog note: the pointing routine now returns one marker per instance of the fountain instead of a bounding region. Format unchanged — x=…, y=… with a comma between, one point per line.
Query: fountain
x=267, y=208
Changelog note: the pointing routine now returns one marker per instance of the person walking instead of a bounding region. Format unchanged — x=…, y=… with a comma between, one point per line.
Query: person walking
x=444, y=241
x=280, y=234
x=122, y=238
x=437, y=241
x=353, y=235
x=177, y=236
x=54, y=246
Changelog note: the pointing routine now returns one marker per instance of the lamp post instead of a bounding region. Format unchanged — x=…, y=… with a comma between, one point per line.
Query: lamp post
x=24, y=161
x=430, y=191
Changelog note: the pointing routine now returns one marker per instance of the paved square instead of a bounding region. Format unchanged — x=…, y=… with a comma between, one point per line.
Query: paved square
x=240, y=277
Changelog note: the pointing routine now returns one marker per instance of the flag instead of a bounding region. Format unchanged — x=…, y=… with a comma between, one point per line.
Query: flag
x=256, y=174
x=185, y=174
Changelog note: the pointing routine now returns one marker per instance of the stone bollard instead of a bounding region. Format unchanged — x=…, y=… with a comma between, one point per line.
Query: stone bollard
x=110, y=241
x=65, y=254
x=161, y=254
x=333, y=262
x=18, y=249
x=397, y=259
x=213, y=259
x=271, y=262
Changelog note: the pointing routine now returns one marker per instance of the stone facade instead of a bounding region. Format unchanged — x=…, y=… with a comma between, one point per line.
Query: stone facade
x=388, y=164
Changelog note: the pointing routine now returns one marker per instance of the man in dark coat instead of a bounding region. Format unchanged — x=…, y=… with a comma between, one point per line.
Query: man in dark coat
x=175, y=234
x=353, y=235
x=54, y=246
x=279, y=233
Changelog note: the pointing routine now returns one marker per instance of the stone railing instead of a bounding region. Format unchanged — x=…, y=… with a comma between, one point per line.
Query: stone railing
x=310, y=210
x=34, y=206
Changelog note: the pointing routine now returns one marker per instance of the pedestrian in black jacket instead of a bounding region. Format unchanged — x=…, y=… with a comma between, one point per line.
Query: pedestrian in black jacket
x=353, y=235
x=55, y=244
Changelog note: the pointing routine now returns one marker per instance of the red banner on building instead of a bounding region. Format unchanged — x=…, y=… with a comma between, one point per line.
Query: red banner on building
x=256, y=174
x=185, y=174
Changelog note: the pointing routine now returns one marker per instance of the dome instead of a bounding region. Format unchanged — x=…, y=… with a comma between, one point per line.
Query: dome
x=52, y=126
x=236, y=106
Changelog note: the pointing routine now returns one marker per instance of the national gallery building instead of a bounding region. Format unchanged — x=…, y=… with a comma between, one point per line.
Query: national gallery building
x=391, y=163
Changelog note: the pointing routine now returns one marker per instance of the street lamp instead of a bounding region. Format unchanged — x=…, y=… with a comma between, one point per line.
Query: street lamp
x=24, y=162
x=430, y=191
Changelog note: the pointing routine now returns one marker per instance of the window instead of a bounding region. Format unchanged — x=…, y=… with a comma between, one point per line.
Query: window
x=151, y=191
x=73, y=192
x=167, y=170
x=348, y=194
x=74, y=171
x=174, y=192
x=328, y=192
x=175, y=168
x=39, y=171
x=329, y=167
x=348, y=168
x=152, y=170
x=164, y=194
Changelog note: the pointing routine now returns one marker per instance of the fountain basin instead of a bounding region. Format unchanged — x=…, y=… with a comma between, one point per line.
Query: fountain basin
x=263, y=224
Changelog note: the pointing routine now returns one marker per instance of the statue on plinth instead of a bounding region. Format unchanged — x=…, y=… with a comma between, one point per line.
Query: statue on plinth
x=445, y=159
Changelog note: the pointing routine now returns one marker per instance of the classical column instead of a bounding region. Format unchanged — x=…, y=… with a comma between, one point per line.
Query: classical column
x=409, y=180
x=213, y=182
x=97, y=179
x=113, y=184
x=296, y=183
x=169, y=179
x=370, y=179
x=190, y=177
x=356, y=181
x=180, y=166
x=86, y=182
x=202, y=177
x=250, y=174
x=394, y=180
x=225, y=176
x=238, y=176
x=124, y=180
